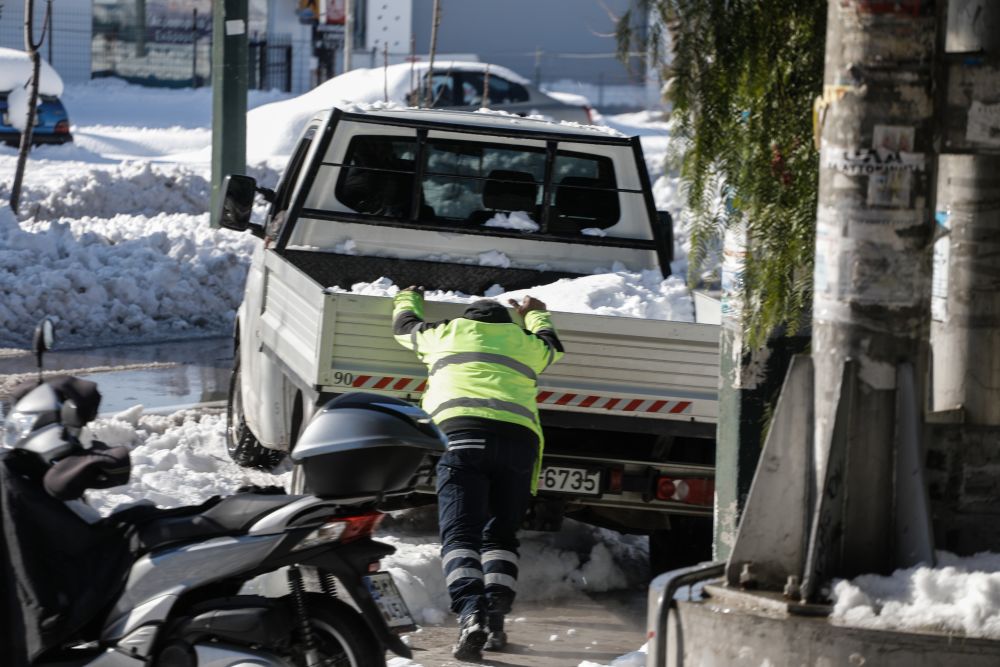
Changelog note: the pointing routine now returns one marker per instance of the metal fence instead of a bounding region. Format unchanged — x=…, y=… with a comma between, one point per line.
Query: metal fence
x=270, y=64
x=179, y=55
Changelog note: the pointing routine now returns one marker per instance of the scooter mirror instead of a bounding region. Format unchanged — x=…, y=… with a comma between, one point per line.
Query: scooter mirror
x=43, y=341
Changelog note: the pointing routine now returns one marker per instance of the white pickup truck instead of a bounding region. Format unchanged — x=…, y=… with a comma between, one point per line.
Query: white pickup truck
x=434, y=198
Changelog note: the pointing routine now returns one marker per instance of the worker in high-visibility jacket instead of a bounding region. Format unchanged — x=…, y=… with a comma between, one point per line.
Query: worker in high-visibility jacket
x=481, y=390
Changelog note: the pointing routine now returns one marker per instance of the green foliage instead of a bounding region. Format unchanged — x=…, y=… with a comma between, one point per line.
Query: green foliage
x=743, y=79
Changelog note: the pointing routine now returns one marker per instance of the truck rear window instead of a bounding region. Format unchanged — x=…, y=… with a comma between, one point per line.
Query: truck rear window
x=470, y=184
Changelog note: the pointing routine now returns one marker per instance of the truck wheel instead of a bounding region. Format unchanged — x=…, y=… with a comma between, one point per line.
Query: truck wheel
x=244, y=449
x=688, y=542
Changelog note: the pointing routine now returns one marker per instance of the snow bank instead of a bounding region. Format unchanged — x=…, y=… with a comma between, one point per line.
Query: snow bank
x=177, y=459
x=961, y=596
x=130, y=188
x=122, y=278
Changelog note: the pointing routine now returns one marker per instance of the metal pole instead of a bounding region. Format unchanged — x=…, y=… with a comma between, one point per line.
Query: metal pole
x=194, y=48
x=140, y=28
x=51, y=32
x=430, y=64
x=348, y=34
x=965, y=301
x=229, y=92
x=872, y=275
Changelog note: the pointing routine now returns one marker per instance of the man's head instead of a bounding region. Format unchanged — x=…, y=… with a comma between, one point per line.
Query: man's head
x=487, y=310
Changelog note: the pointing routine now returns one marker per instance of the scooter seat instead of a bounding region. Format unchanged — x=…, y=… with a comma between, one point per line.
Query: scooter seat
x=233, y=515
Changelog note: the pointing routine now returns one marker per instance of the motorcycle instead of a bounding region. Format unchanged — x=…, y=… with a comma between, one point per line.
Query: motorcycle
x=182, y=587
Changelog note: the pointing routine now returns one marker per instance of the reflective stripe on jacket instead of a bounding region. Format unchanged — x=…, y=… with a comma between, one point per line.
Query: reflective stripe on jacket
x=479, y=369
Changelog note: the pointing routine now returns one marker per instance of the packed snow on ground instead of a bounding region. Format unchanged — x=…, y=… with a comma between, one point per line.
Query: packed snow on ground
x=961, y=596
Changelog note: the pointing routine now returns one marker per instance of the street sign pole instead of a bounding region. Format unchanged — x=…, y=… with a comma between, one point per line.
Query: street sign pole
x=229, y=92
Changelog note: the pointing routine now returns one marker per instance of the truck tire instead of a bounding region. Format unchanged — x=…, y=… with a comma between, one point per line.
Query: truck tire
x=687, y=542
x=244, y=448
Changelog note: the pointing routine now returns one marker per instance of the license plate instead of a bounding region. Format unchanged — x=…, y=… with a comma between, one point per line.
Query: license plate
x=579, y=481
x=389, y=601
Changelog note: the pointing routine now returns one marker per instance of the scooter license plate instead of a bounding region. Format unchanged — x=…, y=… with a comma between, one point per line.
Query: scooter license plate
x=389, y=601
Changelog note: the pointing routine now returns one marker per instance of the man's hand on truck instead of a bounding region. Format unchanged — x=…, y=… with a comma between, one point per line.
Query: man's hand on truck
x=528, y=304
x=419, y=289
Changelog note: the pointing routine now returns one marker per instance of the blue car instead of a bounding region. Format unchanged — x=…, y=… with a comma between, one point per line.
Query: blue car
x=51, y=123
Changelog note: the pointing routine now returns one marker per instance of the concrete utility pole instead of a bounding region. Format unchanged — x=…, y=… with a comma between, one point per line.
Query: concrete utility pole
x=965, y=298
x=348, y=33
x=229, y=92
x=872, y=275
x=965, y=333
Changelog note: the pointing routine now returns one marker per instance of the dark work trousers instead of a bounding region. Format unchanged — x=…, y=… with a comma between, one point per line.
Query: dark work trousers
x=483, y=487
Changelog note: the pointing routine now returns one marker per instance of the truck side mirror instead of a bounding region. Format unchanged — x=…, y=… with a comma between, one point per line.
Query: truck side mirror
x=666, y=222
x=236, y=204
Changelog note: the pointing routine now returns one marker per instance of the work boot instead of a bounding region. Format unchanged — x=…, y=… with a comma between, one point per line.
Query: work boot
x=497, y=638
x=471, y=638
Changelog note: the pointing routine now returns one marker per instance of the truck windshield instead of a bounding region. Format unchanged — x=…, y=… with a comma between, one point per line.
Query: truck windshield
x=472, y=184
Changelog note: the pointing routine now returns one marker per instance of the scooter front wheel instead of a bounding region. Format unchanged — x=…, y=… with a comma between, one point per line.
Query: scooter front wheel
x=340, y=637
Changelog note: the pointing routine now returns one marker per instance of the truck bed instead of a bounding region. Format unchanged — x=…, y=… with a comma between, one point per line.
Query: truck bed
x=618, y=366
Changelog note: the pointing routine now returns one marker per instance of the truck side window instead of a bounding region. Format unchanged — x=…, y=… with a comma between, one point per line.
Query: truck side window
x=283, y=199
x=377, y=176
x=584, y=196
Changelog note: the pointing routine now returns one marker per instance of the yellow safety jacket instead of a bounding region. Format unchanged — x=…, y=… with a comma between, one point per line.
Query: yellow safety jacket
x=477, y=368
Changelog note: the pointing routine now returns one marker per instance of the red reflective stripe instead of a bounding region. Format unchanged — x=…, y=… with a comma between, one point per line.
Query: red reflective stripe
x=544, y=396
x=633, y=405
x=587, y=402
x=360, y=380
x=680, y=407
x=612, y=402
x=423, y=386
x=383, y=383
x=565, y=398
x=401, y=383
x=655, y=407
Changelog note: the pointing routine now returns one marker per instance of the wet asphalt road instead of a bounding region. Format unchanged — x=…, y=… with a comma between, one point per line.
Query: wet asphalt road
x=161, y=376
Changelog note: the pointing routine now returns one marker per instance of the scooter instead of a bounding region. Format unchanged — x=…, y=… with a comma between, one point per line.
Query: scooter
x=183, y=587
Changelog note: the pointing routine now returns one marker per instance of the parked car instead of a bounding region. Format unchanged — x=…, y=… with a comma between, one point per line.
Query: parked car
x=52, y=121
x=461, y=85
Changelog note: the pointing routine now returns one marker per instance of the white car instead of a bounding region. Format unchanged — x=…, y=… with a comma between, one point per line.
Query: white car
x=461, y=85
x=273, y=129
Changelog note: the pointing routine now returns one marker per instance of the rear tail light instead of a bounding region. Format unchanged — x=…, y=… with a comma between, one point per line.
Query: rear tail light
x=615, y=478
x=62, y=127
x=690, y=490
x=342, y=529
x=590, y=115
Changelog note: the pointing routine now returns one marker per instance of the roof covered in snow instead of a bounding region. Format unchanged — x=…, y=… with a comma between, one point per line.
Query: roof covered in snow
x=15, y=70
x=487, y=119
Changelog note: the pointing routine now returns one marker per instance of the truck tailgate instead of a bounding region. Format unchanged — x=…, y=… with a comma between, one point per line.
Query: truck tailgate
x=617, y=365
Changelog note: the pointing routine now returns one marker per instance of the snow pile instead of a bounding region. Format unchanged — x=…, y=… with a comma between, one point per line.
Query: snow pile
x=960, y=596
x=519, y=220
x=177, y=459
x=621, y=293
x=633, y=659
x=122, y=278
